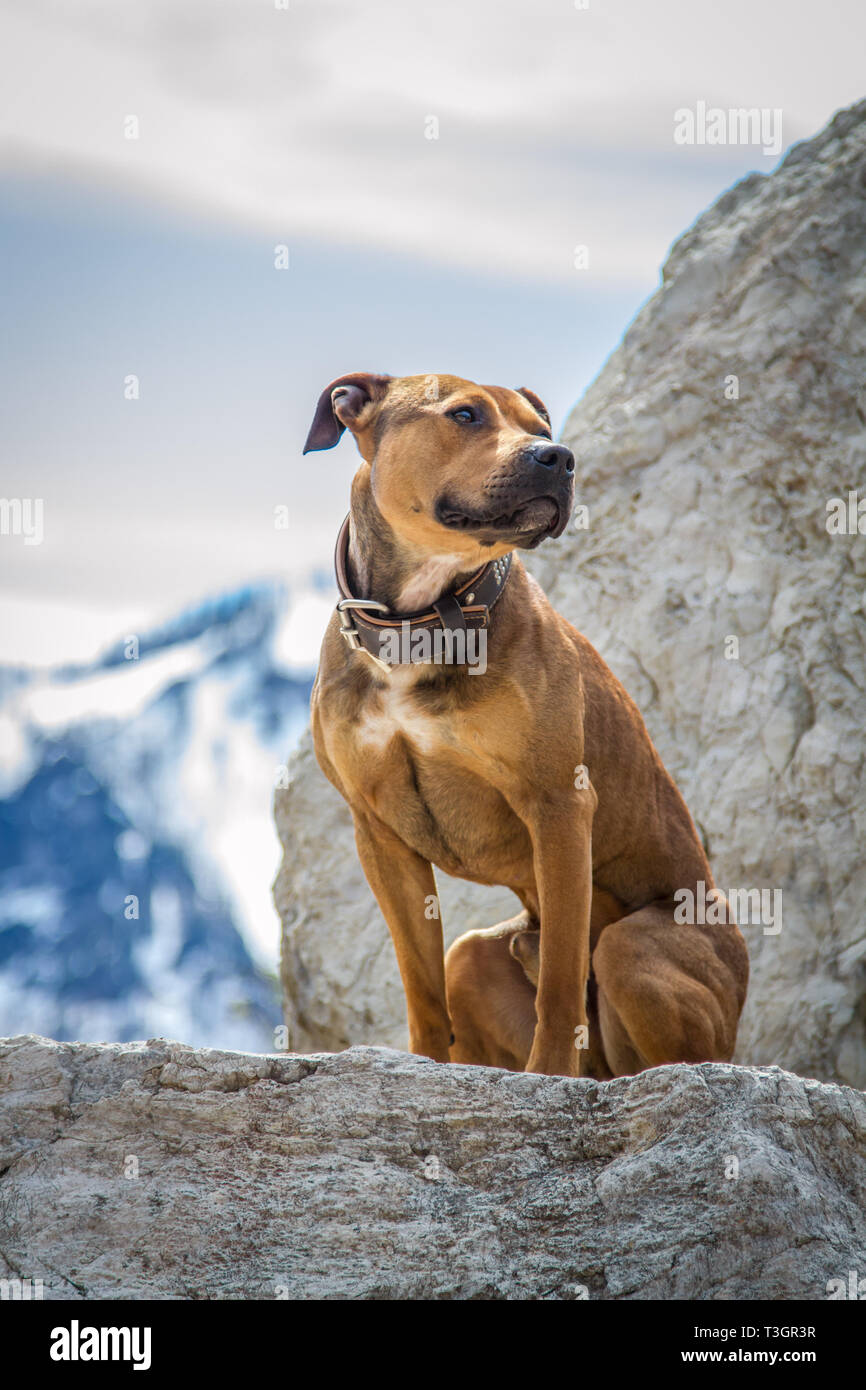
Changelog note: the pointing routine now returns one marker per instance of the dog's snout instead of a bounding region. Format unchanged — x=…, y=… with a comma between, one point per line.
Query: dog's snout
x=553, y=456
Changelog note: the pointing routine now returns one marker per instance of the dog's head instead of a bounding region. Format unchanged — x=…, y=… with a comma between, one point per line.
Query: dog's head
x=454, y=466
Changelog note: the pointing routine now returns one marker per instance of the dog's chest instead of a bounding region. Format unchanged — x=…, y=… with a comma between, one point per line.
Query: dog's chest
x=424, y=773
x=395, y=710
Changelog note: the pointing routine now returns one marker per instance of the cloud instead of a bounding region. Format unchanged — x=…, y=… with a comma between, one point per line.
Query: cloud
x=554, y=124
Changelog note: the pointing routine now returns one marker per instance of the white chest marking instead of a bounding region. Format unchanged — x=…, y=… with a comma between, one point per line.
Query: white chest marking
x=395, y=712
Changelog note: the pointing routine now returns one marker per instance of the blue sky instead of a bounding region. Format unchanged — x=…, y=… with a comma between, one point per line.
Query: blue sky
x=156, y=256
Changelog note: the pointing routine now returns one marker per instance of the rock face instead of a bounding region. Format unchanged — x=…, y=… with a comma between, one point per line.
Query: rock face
x=153, y=1170
x=708, y=450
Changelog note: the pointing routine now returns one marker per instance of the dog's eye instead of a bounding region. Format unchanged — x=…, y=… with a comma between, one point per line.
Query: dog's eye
x=464, y=414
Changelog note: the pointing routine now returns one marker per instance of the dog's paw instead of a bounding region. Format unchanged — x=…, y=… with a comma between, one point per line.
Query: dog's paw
x=524, y=946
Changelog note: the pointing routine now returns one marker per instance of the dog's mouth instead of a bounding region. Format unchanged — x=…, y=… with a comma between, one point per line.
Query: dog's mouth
x=529, y=522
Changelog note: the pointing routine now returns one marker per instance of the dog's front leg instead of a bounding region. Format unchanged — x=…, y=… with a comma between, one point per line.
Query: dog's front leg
x=562, y=856
x=403, y=885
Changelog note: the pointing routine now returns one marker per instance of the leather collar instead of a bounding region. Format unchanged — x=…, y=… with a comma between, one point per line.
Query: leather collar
x=465, y=608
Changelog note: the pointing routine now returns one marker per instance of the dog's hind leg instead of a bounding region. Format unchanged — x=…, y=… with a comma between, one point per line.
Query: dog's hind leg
x=491, y=978
x=668, y=991
x=490, y=1000
x=524, y=946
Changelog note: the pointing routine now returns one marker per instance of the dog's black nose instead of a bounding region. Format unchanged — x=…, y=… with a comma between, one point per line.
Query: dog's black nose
x=552, y=456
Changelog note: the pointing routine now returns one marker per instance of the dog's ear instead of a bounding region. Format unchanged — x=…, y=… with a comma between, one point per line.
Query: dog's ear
x=341, y=404
x=535, y=401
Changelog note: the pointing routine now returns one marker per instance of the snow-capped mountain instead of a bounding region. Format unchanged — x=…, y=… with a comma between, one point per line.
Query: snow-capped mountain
x=136, y=842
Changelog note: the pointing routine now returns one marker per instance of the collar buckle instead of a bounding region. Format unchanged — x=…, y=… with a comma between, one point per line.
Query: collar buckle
x=350, y=632
x=470, y=605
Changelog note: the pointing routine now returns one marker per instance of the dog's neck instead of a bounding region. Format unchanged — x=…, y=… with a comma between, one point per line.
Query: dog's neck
x=382, y=567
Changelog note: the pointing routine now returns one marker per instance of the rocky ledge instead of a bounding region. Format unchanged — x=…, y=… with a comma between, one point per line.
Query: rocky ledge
x=156, y=1170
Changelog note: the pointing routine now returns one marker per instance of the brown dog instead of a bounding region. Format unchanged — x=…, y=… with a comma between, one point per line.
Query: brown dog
x=531, y=768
